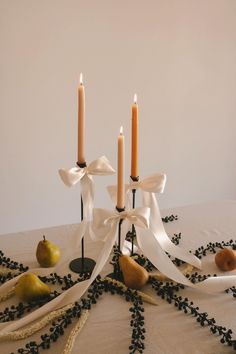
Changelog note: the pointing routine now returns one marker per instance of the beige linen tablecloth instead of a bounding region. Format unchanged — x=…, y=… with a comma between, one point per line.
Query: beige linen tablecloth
x=169, y=331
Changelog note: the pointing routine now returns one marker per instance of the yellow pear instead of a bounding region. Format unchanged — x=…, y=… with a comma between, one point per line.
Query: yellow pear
x=135, y=276
x=47, y=253
x=30, y=288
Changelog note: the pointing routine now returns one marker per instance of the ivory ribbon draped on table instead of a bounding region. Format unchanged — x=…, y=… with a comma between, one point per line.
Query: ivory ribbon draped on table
x=105, y=222
x=154, y=242
x=151, y=236
x=110, y=222
x=149, y=186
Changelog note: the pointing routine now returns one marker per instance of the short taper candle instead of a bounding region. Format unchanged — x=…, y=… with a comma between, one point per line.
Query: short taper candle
x=81, y=121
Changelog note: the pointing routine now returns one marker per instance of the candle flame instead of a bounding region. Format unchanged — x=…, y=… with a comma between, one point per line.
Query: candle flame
x=81, y=79
x=135, y=99
x=121, y=130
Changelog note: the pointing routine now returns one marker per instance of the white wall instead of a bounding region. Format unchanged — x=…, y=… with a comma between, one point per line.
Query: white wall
x=178, y=55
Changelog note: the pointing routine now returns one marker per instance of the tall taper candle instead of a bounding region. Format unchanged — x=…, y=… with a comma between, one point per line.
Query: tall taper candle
x=134, y=149
x=81, y=121
x=120, y=171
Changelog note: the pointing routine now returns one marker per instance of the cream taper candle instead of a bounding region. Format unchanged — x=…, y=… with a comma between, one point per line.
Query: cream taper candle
x=120, y=171
x=134, y=145
x=81, y=121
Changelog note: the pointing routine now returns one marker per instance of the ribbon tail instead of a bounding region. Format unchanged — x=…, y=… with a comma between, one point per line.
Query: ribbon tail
x=153, y=251
x=156, y=225
x=87, y=193
x=125, y=226
x=216, y=284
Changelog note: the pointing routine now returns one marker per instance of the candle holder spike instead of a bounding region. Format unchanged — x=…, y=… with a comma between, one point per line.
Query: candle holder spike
x=83, y=264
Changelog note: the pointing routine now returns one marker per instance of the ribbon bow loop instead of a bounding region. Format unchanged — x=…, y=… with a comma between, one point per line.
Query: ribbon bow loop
x=106, y=221
x=70, y=177
x=152, y=184
x=100, y=167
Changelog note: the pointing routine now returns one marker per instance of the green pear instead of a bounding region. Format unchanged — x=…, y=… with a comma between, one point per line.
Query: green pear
x=47, y=253
x=30, y=288
x=135, y=276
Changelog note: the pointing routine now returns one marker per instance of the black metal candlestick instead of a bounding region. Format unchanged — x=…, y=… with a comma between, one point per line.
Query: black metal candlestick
x=132, y=234
x=116, y=271
x=119, y=226
x=82, y=264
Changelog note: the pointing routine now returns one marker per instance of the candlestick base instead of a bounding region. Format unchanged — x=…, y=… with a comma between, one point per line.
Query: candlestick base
x=82, y=265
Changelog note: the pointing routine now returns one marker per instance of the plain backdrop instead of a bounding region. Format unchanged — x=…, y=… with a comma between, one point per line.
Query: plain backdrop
x=179, y=56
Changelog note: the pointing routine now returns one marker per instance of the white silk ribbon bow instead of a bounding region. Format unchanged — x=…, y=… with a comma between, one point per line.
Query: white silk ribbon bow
x=70, y=177
x=153, y=184
x=105, y=222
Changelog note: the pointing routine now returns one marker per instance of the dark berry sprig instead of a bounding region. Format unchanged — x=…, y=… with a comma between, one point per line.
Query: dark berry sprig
x=137, y=325
x=168, y=293
x=8, y=276
x=137, y=317
x=176, y=238
x=10, y=264
x=213, y=247
x=17, y=311
x=13, y=312
x=144, y=262
x=59, y=326
x=170, y=218
x=65, y=280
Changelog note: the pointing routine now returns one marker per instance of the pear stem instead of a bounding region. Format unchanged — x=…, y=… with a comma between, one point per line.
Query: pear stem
x=44, y=238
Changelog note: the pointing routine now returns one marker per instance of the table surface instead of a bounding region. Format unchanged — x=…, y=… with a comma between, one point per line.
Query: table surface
x=169, y=331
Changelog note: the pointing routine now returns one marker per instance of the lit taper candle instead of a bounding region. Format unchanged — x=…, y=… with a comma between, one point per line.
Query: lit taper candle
x=134, y=145
x=120, y=171
x=81, y=121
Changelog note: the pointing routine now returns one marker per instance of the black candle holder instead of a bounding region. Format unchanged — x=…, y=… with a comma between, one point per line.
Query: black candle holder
x=119, y=227
x=82, y=264
x=116, y=274
x=131, y=235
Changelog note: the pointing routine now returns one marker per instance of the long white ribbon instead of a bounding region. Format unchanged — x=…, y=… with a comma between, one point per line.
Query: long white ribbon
x=105, y=223
x=154, y=252
x=149, y=186
x=70, y=177
x=154, y=242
